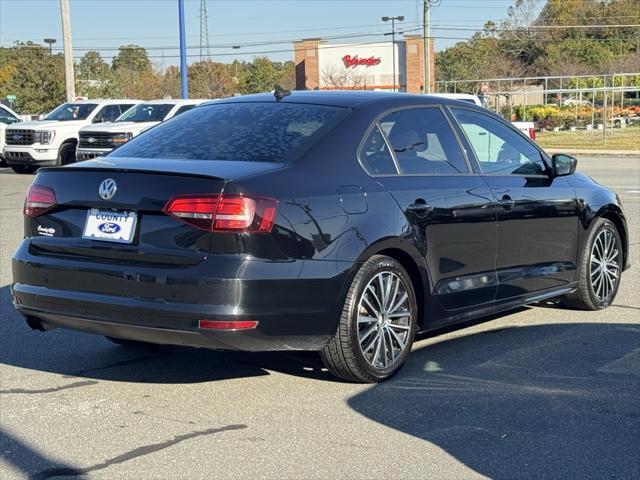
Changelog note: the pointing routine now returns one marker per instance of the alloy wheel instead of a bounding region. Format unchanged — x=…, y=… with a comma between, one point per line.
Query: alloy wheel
x=604, y=269
x=384, y=320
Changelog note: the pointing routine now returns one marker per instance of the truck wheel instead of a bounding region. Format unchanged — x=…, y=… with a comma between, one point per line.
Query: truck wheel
x=67, y=154
x=377, y=325
x=24, y=168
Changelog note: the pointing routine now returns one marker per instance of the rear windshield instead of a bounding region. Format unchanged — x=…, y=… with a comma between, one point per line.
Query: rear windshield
x=71, y=111
x=146, y=112
x=258, y=132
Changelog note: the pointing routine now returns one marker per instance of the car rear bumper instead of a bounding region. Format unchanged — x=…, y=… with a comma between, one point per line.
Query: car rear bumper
x=296, y=304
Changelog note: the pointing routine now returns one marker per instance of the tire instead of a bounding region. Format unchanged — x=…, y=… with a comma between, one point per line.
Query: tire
x=66, y=154
x=133, y=343
x=24, y=168
x=597, y=288
x=344, y=356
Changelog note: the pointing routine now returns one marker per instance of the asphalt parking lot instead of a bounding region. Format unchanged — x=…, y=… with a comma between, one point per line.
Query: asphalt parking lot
x=539, y=393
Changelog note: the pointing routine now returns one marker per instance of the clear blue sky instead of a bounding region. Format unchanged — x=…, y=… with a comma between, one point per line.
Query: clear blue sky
x=105, y=24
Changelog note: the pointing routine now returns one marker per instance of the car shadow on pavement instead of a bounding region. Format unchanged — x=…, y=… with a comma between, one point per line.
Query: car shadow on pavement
x=75, y=354
x=547, y=401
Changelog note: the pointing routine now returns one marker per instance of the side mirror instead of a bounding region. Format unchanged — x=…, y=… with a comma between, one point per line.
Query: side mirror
x=563, y=165
x=98, y=119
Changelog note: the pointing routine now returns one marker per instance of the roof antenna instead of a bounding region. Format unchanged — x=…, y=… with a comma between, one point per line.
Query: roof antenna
x=280, y=93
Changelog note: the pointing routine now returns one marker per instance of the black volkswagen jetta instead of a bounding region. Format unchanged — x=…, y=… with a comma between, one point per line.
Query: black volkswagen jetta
x=330, y=221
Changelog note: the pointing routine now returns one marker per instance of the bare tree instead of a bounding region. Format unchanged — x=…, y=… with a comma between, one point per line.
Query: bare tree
x=343, y=78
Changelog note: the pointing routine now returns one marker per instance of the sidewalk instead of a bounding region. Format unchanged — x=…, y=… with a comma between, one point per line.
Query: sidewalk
x=592, y=152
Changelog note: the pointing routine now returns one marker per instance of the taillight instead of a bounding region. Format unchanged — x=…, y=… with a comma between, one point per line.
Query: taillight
x=532, y=133
x=39, y=200
x=224, y=213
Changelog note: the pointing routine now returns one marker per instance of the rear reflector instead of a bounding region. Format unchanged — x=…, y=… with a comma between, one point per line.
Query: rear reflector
x=224, y=213
x=227, y=325
x=39, y=200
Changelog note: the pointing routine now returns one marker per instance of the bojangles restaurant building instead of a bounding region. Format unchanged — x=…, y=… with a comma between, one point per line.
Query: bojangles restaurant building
x=328, y=66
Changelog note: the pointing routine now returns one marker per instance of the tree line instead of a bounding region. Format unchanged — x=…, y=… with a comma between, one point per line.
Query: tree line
x=534, y=40
x=36, y=77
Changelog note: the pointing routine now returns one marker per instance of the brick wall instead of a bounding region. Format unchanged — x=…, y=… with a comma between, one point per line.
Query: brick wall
x=415, y=64
x=306, y=60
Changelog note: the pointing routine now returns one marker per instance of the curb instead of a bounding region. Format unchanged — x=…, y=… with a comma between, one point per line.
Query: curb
x=593, y=153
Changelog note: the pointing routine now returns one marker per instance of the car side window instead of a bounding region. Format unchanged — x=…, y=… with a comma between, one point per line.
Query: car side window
x=108, y=114
x=182, y=109
x=124, y=107
x=423, y=142
x=499, y=149
x=375, y=155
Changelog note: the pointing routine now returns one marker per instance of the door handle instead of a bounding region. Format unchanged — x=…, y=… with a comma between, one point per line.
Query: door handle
x=420, y=209
x=506, y=202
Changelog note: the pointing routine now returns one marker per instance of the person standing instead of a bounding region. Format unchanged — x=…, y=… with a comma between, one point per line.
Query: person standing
x=484, y=92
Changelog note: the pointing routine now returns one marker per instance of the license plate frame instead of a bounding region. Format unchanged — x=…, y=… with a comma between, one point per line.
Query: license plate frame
x=107, y=225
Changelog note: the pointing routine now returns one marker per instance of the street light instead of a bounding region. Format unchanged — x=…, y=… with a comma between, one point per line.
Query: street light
x=393, y=43
x=50, y=41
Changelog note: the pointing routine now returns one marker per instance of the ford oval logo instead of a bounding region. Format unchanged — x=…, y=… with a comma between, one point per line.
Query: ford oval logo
x=17, y=136
x=91, y=140
x=109, y=227
x=107, y=189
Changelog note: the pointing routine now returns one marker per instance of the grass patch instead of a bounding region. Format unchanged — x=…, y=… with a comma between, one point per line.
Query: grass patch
x=616, y=139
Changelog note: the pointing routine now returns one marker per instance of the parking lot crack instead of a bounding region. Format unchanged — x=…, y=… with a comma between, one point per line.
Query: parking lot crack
x=130, y=455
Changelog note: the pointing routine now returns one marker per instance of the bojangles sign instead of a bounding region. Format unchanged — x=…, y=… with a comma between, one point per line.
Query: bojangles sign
x=356, y=61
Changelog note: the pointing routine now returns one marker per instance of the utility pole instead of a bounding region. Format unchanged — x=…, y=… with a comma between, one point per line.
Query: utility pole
x=425, y=45
x=68, y=51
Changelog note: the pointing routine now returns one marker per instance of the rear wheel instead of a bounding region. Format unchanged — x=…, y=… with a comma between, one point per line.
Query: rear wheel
x=24, y=168
x=600, y=269
x=377, y=325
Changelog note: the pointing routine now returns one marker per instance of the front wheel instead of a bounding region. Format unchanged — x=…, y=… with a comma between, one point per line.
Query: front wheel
x=599, y=270
x=67, y=154
x=377, y=325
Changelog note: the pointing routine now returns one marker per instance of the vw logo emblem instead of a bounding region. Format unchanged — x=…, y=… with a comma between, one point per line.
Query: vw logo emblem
x=107, y=189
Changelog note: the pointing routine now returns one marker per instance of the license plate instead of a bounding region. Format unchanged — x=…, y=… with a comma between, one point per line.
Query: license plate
x=110, y=225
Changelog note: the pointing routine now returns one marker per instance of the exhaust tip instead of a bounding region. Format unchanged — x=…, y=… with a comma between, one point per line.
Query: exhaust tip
x=35, y=323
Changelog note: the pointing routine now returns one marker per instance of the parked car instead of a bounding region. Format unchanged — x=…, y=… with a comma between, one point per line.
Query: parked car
x=97, y=140
x=7, y=117
x=463, y=97
x=572, y=101
x=340, y=222
x=53, y=140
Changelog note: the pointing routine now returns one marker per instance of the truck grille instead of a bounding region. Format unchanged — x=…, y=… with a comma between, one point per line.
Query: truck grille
x=19, y=137
x=95, y=140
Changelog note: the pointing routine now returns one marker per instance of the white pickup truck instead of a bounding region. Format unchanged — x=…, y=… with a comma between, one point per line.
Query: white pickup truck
x=53, y=141
x=96, y=140
x=7, y=117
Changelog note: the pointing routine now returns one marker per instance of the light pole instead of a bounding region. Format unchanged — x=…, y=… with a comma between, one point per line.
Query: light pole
x=50, y=41
x=393, y=43
x=183, y=52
